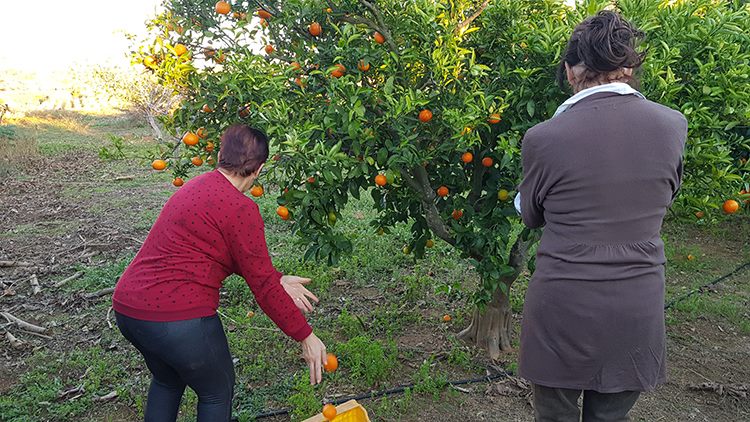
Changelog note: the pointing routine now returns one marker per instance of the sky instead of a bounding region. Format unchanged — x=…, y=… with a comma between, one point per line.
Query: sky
x=57, y=34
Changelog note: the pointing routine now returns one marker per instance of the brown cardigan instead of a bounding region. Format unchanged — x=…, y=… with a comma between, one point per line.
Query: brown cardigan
x=599, y=177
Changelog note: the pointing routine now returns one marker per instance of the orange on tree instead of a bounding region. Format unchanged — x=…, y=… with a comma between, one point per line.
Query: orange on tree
x=263, y=23
x=329, y=412
x=159, y=165
x=338, y=71
x=295, y=65
x=283, y=212
x=700, y=214
x=210, y=146
x=222, y=7
x=178, y=181
x=298, y=81
x=190, y=139
x=207, y=109
x=149, y=61
x=331, y=363
x=315, y=29
x=442, y=191
x=487, y=162
x=425, y=116
x=197, y=161
x=467, y=157
x=363, y=66
x=381, y=180
x=503, y=195
x=209, y=52
x=269, y=49
x=263, y=14
x=220, y=58
x=311, y=180
x=378, y=37
x=457, y=214
x=180, y=49
x=256, y=191
x=210, y=161
x=201, y=132
x=494, y=118
x=730, y=206
x=447, y=318
x=244, y=111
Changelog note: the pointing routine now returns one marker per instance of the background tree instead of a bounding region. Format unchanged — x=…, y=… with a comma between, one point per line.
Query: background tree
x=420, y=105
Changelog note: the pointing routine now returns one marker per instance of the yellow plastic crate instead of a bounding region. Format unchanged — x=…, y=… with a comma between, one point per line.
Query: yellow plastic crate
x=350, y=411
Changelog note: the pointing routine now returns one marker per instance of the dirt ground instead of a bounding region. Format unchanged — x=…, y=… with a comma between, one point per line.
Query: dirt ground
x=64, y=211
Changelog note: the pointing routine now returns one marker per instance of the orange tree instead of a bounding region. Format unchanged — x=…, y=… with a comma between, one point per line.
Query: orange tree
x=421, y=105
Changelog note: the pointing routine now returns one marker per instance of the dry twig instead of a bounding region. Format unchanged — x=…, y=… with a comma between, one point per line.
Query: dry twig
x=23, y=324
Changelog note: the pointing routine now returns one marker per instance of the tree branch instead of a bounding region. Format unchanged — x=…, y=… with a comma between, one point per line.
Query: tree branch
x=466, y=22
x=476, y=184
x=421, y=185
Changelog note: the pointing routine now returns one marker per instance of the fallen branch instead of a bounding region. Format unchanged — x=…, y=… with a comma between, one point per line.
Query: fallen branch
x=120, y=178
x=107, y=397
x=71, y=278
x=735, y=390
x=5, y=264
x=14, y=342
x=23, y=324
x=109, y=312
x=99, y=293
x=34, y=282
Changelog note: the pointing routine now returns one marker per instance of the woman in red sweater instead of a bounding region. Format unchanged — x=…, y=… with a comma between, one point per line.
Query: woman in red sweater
x=166, y=300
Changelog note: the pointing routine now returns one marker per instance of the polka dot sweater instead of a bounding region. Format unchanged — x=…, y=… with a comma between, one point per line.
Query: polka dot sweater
x=207, y=231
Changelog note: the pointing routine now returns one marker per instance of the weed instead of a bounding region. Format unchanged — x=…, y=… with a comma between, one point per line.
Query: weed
x=368, y=361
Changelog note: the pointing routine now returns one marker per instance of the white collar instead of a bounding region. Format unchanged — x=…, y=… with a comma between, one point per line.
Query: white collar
x=615, y=87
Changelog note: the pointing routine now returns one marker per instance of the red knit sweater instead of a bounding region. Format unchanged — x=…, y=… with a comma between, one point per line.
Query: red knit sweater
x=207, y=231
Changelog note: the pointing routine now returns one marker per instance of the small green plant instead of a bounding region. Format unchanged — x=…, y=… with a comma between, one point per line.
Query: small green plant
x=426, y=382
x=115, y=152
x=305, y=401
x=369, y=361
x=350, y=324
x=8, y=132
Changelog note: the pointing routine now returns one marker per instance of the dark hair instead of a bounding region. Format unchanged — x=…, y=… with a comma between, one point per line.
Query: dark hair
x=243, y=150
x=603, y=43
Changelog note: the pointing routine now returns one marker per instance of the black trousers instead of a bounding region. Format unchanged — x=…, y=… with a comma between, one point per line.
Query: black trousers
x=191, y=353
x=561, y=405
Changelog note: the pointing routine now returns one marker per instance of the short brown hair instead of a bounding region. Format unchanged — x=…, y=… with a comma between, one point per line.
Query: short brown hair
x=602, y=43
x=243, y=150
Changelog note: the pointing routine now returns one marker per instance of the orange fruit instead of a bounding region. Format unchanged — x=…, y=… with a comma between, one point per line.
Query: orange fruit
x=381, y=180
x=690, y=257
x=337, y=73
x=503, y=195
x=329, y=10
x=220, y=58
x=209, y=52
x=487, y=162
x=311, y=180
x=442, y=191
x=257, y=191
x=329, y=412
x=210, y=161
x=363, y=66
x=457, y=214
x=190, y=139
x=207, y=109
x=494, y=118
x=425, y=116
x=447, y=318
x=180, y=49
x=236, y=15
x=222, y=7
x=263, y=23
x=244, y=111
x=178, y=181
x=315, y=29
x=700, y=214
x=298, y=82
x=149, y=61
x=197, y=161
x=201, y=132
x=430, y=243
x=159, y=165
x=250, y=314
x=283, y=212
x=269, y=49
x=263, y=14
x=378, y=37
x=295, y=65
x=467, y=157
x=730, y=206
x=210, y=146
x=332, y=363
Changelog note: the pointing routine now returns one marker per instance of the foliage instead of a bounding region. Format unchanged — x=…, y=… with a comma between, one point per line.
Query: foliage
x=7, y=132
x=305, y=401
x=368, y=361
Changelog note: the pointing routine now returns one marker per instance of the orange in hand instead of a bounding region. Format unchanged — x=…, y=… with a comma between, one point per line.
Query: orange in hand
x=332, y=363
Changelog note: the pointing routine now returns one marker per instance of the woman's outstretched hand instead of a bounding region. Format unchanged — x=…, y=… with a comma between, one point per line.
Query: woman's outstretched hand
x=314, y=353
x=294, y=287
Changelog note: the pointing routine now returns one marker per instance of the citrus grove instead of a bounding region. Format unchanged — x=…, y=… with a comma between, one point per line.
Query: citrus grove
x=422, y=106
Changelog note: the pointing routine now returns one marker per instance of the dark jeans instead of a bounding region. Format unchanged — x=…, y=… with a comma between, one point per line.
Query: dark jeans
x=561, y=405
x=191, y=353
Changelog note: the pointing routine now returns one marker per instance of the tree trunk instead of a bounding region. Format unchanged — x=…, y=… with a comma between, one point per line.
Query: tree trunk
x=491, y=329
x=155, y=126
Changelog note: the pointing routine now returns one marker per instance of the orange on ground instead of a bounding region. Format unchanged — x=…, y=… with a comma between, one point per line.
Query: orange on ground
x=197, y=161
x=257, y=191
x=207, y=109
x=487, y=162
x=425, y=116
x=222, y=7
x=269, y=49
x=263, y=14
x=329, y=412
x=363, y=66
x=190, y=139
x=430, y=243
x=159, y=165
x=210, y=146
x=250, y=314
x=332, y=363
x=283, y=212
x=381, y=180
x=700, y=214
x=315, y=29
x=180, y=49
x=447, y=318
x=730, y=206
x=379, y=38
x=442, y=191
x=690, y=257
x=457, y=214
x=467, y=157
x=178, y=181
x=201, y=132
x=494, y=118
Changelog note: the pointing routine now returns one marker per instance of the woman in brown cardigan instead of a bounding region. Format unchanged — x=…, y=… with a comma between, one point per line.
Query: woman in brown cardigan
x=599, y=176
